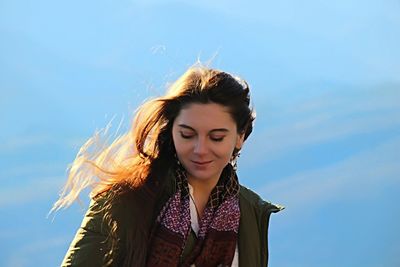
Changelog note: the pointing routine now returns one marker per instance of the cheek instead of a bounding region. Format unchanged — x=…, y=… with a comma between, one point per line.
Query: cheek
x=180, y=145
x=180, y=148
x=225, y=151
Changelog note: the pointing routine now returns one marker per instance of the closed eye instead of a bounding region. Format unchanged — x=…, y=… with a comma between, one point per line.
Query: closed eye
x=217, y=139
x=186, y=136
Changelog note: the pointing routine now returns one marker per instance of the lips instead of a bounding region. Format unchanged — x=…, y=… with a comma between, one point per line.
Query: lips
x=201, y=163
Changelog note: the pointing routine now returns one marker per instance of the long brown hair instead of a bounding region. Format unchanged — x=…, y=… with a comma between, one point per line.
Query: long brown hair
x=146, y=151
x=130, y=158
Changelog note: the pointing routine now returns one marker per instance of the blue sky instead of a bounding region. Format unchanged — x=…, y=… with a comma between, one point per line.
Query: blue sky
x=325, y=85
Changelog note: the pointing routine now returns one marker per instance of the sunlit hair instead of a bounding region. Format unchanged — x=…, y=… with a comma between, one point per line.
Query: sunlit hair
x=147, y=147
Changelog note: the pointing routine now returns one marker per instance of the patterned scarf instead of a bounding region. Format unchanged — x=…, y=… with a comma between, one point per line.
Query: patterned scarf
x=219, y=225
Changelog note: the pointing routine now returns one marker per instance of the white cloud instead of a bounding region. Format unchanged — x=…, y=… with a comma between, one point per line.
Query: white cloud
x=20, y=142
x=28, y=170
x=320, y=119
x=27, y=192
x=357, y=176
x=24, y=255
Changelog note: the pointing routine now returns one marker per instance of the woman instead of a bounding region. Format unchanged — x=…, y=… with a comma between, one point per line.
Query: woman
x=168, y=194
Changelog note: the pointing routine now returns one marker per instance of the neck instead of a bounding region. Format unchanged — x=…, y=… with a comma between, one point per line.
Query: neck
x=201, y=191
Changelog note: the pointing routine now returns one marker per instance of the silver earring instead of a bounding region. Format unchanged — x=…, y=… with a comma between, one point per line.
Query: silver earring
x=178, y=163
x=234, y=160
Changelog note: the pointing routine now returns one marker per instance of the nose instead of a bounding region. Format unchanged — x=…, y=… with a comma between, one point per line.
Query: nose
x=200, y=147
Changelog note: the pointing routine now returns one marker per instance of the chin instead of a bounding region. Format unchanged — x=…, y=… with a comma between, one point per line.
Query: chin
x=202, y=172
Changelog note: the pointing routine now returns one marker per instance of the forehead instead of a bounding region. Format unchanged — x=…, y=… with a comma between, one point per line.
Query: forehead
x=205, y=116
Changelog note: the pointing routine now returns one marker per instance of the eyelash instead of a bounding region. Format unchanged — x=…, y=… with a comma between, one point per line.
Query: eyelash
x=215, y=139
x=186, y=136
x=219, y=139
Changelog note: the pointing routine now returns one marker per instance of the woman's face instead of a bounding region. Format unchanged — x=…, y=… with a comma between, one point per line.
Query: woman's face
x=205, y=136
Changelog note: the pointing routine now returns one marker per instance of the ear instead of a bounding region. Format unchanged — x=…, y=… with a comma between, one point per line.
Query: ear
x=239, y=141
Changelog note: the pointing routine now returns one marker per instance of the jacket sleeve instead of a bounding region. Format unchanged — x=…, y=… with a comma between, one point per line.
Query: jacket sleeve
x=266, y=214
x=91, y=242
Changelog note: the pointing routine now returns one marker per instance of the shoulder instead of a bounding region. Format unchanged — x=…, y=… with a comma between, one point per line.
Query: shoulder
x=252, y=200
x=253, y=227
x=125, y=203
x=121, y=206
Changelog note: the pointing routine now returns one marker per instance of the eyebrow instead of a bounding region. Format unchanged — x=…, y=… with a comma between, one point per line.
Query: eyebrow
x=213, y=130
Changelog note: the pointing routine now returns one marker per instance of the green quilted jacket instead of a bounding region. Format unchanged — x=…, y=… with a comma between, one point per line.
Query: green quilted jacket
x=134, y=217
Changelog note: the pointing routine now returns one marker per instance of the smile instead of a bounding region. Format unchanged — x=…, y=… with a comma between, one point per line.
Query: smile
x=201, y=163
